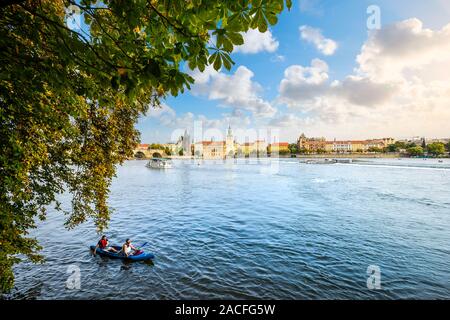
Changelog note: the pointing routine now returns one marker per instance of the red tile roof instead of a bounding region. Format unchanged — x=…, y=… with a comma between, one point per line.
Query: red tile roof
x=280, y=144
x=213, y=143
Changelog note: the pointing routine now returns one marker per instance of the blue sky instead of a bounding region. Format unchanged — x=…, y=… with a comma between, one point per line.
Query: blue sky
x=320, y=98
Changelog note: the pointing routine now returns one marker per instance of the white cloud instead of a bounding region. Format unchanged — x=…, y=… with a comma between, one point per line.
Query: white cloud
x=400, y=87
x=255, y=41
x=402, y=49
x=302, y=84
x=310, y=89
x=289, y=120
x=173, y=121
x=237, y=90
x=364, y=91
x=203, y=77
x=159, y=112
x=312, y=35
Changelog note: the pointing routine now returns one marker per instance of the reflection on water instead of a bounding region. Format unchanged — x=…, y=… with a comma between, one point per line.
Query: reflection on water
x=255, y=230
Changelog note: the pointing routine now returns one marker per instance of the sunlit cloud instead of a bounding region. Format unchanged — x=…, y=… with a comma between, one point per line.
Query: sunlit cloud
x=324, y=45
x=255, y=42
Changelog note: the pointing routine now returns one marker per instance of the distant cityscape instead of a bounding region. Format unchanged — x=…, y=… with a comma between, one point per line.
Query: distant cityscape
x=230, y=148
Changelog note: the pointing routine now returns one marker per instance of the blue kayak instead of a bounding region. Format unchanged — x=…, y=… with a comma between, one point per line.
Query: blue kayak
x=140, y=256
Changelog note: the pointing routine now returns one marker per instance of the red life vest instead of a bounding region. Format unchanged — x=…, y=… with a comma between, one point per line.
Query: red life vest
x=102, y=243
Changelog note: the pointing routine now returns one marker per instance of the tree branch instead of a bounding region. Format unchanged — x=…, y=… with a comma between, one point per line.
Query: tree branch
x=164, y=18
x=79, y=35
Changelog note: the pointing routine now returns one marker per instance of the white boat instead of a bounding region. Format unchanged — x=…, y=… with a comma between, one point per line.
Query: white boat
x=319, y=161
x=326, y=161
x=159, y=163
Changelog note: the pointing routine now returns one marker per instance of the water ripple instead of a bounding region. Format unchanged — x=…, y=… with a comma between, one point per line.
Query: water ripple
x=236, y=231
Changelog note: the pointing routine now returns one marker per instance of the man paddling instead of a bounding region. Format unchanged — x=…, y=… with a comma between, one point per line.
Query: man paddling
x=128, y=247
x=103, y=244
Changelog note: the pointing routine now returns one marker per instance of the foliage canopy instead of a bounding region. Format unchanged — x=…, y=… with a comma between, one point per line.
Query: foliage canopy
x=436, y=149
x=69, y=98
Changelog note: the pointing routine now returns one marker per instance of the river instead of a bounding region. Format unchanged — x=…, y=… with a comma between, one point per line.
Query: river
x=265, y=230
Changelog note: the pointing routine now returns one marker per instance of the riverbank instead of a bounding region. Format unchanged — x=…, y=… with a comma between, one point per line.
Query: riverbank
x=310, y=156
x=314, y=156
x=347, y=156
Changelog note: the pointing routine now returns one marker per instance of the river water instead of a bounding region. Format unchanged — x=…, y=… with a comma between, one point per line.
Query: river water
x=266, y=230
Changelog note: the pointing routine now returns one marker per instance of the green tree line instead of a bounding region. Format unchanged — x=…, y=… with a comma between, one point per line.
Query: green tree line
x=435, y=149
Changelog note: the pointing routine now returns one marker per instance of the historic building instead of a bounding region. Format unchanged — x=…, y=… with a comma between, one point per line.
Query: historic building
x=256, y=148
x=318, y=145
x=230, y=144
x=216, y=149
x=229, y=148
x=210, y=149
x=279, y=147
x=313, y=145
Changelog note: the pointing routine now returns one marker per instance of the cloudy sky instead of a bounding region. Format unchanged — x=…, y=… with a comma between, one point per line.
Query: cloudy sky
x=323, y=72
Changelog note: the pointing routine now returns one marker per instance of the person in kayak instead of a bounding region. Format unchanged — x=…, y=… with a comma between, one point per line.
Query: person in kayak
x=103, y=244
x=128, y=248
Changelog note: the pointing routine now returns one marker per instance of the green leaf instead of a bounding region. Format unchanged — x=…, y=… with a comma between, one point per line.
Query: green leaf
x=227, y=45
x=213, y=57
x=272, y=18
x=226, y=61
x=236, y=38
x=217, y=62
x=192, y=64
x=262, y=25
x=289, y=4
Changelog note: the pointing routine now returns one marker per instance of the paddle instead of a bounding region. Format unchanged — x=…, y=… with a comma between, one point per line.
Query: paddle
x=142, y=245
x=138, y=248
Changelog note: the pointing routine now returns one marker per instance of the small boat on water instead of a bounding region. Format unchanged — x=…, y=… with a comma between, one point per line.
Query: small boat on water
x=159, y=163
x=320, y=161
x=137, y=256
x=327, y=161
x=343, y=160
